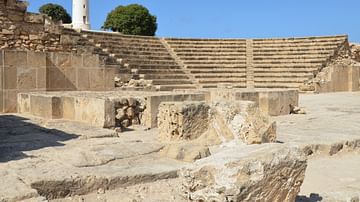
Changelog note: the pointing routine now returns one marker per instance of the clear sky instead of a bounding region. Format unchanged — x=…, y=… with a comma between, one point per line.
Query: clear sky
x=238, y=18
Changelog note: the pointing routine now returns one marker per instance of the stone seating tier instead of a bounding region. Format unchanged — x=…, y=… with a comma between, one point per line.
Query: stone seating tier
x=266, y=63
x=145, y=54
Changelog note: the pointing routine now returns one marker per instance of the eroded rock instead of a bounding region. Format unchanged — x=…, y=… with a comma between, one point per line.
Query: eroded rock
x=270, y=176
x=182, y=121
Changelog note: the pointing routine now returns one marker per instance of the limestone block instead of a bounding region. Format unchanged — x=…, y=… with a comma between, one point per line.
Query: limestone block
x=23, y=103
x=76, y=60
x=245, y=121
x=91, y=61
x=182, y=120
x=83, y=80
x=36, y=59
x=95, y=111
x=1, y=58
x=46, y=106
x=1, y=100
x=188, y=152
x=26, y=78
x=63, y=60
x=275, y=175
x=10, y=101
x=109, y=76
x=223, y=120
x=41, y=78
x=68, y=107
x=96, y=77
x=56, y=80
x=152, y=102
x=10, y=78
x=15, y=58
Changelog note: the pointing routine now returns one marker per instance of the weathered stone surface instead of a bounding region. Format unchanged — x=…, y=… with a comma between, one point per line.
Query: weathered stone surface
x=243, y=120
x=272, y=176
x=188, y=152
x=183, y=120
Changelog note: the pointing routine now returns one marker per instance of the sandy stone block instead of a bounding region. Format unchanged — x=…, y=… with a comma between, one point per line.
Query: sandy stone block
x=68, y=108
x=109, y=75
x=150, y=115
x=274, y=175
x=26, y=78
x=57, y=80
x=63, y=60
x=248, y=96
x=46, y=106
x=97, y=112
x=185, y=151
x=91, y=61
x=83, y=79
x=1, y=57
x=36, y=59
x=1, y=77
x=179, y=121
x=10, y=78
x=23, y=103
x=51, y=60
x=70, y=77
x=10, y=101
x=1, y=100
x=76, y=61
x=41, y=78
x=245, y=120
x=15, y=58
x=96, y=79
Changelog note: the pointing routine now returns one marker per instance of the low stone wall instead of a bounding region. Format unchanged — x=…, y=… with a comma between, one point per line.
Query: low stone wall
x=27, y=71
x=97, y=108
x=339, y=78
x=274, y=102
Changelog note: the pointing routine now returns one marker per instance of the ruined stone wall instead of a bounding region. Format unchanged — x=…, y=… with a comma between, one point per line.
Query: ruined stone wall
x=22, y=30
x=26, y=31
x=28, y=71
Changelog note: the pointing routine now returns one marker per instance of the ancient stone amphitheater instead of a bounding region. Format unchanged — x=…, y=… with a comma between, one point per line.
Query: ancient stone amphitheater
x=100, y=116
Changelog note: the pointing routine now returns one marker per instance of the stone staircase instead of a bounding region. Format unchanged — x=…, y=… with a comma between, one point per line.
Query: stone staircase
x=287, y=63
x=87, y=46
x=212, y=61
x=146, y=57
x=175, y=63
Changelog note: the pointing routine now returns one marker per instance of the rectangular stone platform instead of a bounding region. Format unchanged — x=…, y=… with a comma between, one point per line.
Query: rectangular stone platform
x=96, y=108
x=274, y=102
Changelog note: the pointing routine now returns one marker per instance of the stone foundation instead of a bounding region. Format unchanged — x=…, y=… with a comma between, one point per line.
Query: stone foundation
x=26, y=71
x=226, y=121
x=98, y=108
x=274, y=102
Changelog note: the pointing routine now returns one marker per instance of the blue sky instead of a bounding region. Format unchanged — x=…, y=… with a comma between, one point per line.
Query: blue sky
x=238, y=18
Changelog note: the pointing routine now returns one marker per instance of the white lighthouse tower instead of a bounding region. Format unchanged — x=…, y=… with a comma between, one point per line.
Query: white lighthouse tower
x=80, y=17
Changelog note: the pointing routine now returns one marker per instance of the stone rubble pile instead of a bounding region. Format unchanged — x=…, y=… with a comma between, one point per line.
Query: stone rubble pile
x=128, y=112
x=355, y=52
x=133, y=83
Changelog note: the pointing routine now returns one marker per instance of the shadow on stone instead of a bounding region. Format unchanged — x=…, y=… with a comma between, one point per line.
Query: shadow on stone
x=312, y=198
x=18, y=134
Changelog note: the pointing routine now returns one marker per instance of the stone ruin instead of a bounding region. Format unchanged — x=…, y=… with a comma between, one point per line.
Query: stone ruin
x=192, y=118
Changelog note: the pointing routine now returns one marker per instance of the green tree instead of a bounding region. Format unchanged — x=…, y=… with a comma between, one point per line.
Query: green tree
x=56, y=12
x=133, y=19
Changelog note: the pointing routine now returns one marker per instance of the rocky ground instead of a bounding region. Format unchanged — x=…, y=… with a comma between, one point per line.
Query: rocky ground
x=39, y=158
